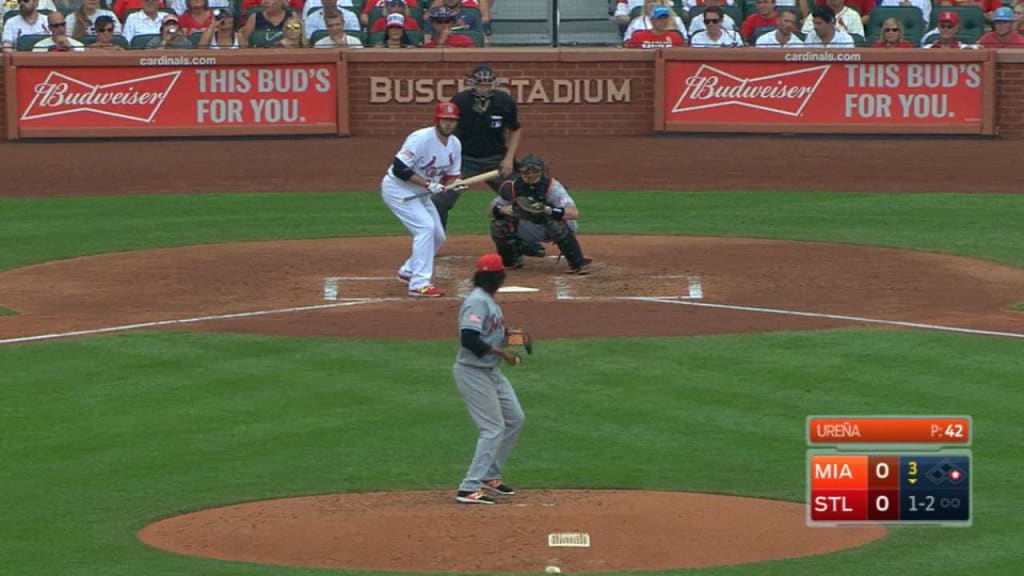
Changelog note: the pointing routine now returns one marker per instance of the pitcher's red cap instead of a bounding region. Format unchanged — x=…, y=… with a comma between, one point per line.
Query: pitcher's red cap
x=490, y=263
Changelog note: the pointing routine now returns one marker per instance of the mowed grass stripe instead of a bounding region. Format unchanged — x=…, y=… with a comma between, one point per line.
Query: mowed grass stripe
x=170, y=422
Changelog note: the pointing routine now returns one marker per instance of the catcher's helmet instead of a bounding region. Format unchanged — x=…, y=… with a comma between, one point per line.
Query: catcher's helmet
x=446, y=110
x=531, y=161
x=483, y=74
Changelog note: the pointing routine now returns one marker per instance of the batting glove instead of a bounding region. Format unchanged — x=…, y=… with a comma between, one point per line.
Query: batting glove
x=435, y=188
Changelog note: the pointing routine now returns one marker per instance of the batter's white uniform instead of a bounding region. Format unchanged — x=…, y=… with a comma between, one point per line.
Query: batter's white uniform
x=430, y=159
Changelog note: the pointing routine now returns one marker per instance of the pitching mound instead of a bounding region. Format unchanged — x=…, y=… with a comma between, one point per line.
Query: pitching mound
x=429, y=532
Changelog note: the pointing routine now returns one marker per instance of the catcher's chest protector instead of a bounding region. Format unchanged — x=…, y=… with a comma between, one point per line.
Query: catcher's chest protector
x=538, y=191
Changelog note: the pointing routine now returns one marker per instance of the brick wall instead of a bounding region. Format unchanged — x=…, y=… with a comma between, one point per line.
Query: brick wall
x=3, y=96
x=1010, y=97
x=559, y=92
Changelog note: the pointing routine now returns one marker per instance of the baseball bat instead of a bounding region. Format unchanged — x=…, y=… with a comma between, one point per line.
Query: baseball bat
x=483, y=177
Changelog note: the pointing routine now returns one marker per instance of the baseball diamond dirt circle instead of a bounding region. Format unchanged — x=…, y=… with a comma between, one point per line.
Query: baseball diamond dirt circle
x=643, y=286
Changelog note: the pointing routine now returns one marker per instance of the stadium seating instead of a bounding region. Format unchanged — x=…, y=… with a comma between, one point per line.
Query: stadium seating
x=972, y=21
x=265, y=38
x=522, y=22
x=586, y=23
x=415, y=36
x=27, y=41
x=139, y=41
x=909, y=16
x=116, y=39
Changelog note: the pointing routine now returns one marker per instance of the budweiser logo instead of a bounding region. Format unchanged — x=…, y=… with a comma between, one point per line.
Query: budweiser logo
x=138, y=99
x=785, y=93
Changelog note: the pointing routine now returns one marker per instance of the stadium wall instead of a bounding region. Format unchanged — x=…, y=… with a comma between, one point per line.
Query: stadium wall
x=583, y=92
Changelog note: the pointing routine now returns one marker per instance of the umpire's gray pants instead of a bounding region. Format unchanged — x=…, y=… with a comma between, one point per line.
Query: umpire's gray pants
x=495, y=410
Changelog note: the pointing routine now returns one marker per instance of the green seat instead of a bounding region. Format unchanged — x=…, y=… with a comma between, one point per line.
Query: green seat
x=909, y=16
x=858, y=40
x=265, y=38
x=27, y=41
x=476, y=35
x=194, y=38
x=761, y=31
x=116, y=39
x=139, y=41
x=972, y=21
x=318, y=35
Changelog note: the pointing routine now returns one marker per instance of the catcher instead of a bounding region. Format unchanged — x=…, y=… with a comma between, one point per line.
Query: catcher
x=531, y=209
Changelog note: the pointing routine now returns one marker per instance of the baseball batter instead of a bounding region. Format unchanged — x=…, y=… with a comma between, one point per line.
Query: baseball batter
x=429, y=158
x=554, y=218
x=488, y=395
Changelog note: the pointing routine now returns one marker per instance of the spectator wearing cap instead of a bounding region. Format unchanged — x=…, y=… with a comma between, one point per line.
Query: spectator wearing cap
x=442, y=19
x=643, y=21
x=369, y=5
x=104, y=34
x=763, y=17
x=949, y=26
x=395, y=7
x=824, y=33
x=82, y=22
x=317, y=19
x=336, y=35
x=715, y=35
x=172, y=36
x=473, y=20
x=222, y=35
x=1004, y=33
x=662, y=34
x=27, y=21
x=782, y=36
x=846, y=19
x=395, y=35
x=59, y=40
x=145, y=21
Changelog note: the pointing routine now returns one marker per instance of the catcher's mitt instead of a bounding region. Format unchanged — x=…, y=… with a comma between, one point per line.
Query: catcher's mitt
x=520, y=337
x=533, y=210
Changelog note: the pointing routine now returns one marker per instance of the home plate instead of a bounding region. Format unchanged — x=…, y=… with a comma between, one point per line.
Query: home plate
x=517, y=289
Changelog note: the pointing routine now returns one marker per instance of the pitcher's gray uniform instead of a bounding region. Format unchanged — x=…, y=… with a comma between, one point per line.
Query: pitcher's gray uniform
x=488, y=395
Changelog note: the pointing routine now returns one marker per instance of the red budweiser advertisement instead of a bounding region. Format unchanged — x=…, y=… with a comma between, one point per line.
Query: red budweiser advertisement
x=865, y=91
x=178, y=99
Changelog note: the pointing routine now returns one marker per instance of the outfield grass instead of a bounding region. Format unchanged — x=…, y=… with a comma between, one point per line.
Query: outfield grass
x=100, y=436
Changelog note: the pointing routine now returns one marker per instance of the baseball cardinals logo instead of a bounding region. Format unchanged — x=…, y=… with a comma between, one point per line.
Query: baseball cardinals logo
x=137, y=99
x=785, y=93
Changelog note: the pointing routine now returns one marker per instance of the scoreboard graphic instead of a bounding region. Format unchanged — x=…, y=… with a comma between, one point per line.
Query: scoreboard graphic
x=903, y=470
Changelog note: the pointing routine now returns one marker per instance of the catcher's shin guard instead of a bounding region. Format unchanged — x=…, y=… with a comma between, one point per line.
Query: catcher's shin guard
x=570, y=248
x=503, y=233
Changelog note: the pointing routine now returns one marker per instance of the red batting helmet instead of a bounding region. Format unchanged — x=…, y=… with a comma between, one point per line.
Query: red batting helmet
x=446, y=110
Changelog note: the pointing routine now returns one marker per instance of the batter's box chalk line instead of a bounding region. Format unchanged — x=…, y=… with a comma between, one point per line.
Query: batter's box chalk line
x=694, y=291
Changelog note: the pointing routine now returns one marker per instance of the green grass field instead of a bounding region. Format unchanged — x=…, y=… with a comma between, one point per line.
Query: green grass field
x=100, y=436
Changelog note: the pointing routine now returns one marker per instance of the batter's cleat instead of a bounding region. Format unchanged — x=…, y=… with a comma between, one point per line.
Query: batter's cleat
x=428, y=291
x=478, y=497
x=499, y=487
x=403, y=278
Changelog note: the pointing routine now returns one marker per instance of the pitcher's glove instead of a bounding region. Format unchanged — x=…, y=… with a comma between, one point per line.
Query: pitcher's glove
x=533, y=210
x=520, y=337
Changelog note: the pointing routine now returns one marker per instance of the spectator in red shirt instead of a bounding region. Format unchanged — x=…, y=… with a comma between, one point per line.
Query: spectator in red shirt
x=987, y=6
x=892, y=35
x=765, y=16
x=661, y=34
x=368, y=7
x=1003, y=34
x=442, y=19
x=121, y=7
x=394, y=7
x=197, y=17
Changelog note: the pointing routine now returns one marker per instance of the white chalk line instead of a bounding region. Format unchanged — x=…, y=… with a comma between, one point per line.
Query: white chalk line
x=158, y=323
x=861, y=319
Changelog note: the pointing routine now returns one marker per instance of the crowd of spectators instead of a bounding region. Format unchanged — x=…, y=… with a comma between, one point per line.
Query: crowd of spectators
x=77, y=25
x=820, y=23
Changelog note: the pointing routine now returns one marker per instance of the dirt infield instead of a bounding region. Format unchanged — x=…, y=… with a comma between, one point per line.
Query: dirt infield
x=425, y=532
x=642, y=286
